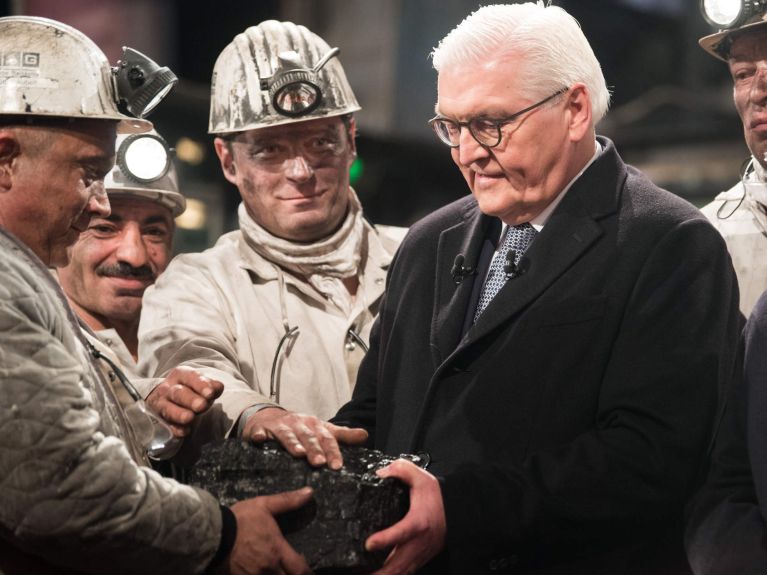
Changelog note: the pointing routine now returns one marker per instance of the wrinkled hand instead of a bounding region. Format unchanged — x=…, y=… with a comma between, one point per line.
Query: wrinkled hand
x=418, y=536
x=183, y=395
x=260, y=546
x=303, y=435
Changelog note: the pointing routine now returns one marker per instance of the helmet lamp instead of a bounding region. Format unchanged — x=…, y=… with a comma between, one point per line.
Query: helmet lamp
x=140, y=82
x=295, y=89
x=725, y=14
x=144, y=158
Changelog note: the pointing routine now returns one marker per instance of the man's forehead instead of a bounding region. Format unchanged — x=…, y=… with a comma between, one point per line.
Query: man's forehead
x=296, y=130
x=92, y=144
x=749, y=45
x=490, y=89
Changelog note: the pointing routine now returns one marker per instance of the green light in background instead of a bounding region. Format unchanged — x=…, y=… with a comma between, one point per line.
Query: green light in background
x=355, y=172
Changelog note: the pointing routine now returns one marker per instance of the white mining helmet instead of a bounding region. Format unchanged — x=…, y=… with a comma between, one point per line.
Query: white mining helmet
x=731, y=17
x=51, y=69
x=277, y=73
x=144, y=169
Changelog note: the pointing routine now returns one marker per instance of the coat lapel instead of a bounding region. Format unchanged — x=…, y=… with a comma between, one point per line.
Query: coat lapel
x=451, y=297
x=550, y=255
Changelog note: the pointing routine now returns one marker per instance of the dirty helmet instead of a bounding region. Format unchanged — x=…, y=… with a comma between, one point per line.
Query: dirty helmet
x=48, y=68
x=144, y=169
x=731, y=17
x=277, y=73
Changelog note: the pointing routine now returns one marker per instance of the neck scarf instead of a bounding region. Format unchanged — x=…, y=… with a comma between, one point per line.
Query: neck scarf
x=323, y=263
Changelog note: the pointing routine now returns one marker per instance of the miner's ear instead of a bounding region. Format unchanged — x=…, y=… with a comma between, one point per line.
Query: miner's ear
x=9, y=151
x=226, y=158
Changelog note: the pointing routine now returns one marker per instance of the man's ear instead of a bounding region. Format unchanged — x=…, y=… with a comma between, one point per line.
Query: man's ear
x=579, y=106
x=9, y=151
x=352, y=135
x=226, y=158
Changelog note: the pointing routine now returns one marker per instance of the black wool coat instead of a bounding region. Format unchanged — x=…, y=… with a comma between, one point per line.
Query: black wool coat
x=568, y=426
x=727, y=532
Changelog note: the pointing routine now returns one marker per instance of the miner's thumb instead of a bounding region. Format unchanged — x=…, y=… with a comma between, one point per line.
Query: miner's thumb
x=350, y=435
x=287, y=501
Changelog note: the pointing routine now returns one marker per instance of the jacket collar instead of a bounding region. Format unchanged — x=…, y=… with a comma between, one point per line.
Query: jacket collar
x=454, y=288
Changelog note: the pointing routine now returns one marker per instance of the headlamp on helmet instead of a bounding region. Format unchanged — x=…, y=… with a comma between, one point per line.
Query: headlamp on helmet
x=144, y=158
x=294, y=89
x=140, y=82
x=725, y=14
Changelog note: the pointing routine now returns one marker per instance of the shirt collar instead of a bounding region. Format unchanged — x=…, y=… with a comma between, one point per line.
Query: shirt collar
x=540, y=220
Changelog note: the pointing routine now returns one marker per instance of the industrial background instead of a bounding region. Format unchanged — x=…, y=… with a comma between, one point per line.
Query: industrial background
x=672, y=113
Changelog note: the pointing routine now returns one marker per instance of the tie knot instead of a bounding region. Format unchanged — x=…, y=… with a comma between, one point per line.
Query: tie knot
x=518, y=238
x=504, y=264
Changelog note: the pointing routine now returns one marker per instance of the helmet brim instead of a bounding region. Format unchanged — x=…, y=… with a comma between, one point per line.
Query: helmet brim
x=128, y=125
x=174, y=201
x=718, y=45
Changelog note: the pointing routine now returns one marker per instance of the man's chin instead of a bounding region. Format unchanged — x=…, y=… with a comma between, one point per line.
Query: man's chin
x=121, y=308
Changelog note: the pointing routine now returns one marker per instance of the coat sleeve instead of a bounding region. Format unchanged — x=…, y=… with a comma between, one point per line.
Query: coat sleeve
x=657, y=400
x=69, y=493
x=186, y=320
x=726, y=533
x=361, y=410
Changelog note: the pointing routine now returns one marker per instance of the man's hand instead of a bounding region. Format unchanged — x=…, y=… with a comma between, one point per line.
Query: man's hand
x=260, y=546
x=418, y=536
x=183, y=395
x=302, y=435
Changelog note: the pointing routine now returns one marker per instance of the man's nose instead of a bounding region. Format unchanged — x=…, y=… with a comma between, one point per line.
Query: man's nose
x=469, y=150
x=131, y=248
x=758, y=93
x=298, y=169
x=98, y=202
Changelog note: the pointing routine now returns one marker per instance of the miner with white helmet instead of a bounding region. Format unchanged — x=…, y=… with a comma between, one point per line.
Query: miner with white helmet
x=740, y=213
x=280, y=310
x=118, y=256
x=726, y=530
x=76, y=494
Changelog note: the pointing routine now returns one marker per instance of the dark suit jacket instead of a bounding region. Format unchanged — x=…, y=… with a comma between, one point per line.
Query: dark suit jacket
x=570, y=422
x=727, y=533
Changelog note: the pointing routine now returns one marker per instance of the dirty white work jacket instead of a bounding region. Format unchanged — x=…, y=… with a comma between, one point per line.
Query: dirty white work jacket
x=72, y=495
x=226, y=312
x=742, y=221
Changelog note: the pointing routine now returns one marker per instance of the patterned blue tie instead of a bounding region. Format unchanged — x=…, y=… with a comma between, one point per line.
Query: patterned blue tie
x=518, y=239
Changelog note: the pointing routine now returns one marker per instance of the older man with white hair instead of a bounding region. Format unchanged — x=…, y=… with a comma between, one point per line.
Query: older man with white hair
x=552, y=345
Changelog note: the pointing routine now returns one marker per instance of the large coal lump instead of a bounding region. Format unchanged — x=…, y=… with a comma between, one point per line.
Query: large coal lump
x=348, y=505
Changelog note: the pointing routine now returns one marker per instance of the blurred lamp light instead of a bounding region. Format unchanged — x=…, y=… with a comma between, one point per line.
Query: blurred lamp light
x=190, y=151
x=195, y=216
x=355, y=172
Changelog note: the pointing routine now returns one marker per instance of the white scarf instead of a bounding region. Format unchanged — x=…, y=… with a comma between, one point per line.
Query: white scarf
x=323, y=263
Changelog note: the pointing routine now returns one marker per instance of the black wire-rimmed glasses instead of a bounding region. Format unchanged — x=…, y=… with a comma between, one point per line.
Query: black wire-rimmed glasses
x=486, y=132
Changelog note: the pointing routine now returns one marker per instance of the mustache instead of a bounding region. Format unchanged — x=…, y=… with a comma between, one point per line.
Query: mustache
x=125, y=270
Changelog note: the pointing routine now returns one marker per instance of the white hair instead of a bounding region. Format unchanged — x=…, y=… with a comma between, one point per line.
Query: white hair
x=556, y=54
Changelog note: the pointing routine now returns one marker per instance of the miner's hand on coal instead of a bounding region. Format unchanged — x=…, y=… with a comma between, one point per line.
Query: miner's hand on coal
x=182, y=396
x=259, y=546
x=418, y=536
x=302, y=435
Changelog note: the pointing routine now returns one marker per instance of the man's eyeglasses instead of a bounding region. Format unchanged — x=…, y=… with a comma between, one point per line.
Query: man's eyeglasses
x=486, y=132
